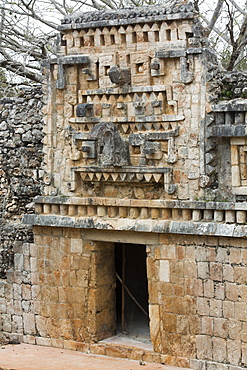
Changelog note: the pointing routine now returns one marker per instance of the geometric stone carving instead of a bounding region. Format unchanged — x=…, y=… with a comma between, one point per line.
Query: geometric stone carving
x=239, y=165
x=127, y=174
x=186, y=75
x=60, y=83
x=88, y=147
x=172, y=155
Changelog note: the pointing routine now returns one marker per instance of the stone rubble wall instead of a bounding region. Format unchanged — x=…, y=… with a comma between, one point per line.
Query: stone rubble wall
x=20, y=180
x=233, y=85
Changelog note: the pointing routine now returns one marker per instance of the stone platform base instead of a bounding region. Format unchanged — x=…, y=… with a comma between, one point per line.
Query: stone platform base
x=124, y=347
x=117, y=346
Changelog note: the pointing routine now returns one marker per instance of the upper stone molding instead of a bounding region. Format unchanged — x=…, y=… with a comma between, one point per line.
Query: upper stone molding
x=171, y=10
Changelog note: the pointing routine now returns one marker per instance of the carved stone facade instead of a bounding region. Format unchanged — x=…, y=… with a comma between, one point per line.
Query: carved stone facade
x=127, y=89
x=142, y=161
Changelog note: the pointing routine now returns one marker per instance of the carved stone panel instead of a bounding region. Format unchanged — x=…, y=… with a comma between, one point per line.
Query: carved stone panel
x=112, y=150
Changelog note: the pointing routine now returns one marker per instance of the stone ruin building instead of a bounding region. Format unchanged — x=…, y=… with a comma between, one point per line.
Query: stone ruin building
x=141, y=229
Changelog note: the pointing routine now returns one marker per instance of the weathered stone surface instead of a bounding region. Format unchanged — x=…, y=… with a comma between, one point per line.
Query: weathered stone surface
x=126, y=16
x=135, y=152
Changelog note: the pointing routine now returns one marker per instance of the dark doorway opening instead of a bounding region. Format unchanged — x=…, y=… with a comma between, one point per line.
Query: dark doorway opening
x=131, y=290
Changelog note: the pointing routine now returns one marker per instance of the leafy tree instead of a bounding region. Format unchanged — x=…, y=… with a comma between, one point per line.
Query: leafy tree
x=28, y=30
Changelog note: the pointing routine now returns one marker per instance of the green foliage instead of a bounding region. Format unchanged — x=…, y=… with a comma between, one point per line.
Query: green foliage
x=6, y=89
x=242, y=66
x=225, y=58
x=3, y=82
x=226, y=94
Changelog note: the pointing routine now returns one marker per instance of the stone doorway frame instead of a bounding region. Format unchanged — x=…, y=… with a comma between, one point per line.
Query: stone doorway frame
x=101, y=320
x=125, y=267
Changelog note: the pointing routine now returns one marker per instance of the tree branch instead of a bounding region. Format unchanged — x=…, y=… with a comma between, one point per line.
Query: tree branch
x=238, y=45
x=217, y=31
x=20, y=70
x=240, y=10
x=215, y=16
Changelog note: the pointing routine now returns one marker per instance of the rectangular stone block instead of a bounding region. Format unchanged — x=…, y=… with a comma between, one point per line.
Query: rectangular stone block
x=244, y=353
x=57, y=343
x=203, y=270
x=3, y=306
x=208, y=288
x=29, y=323
x=215, y=307
x=26, y=291
x=233, y=351
x=29, y=339
x=76, y=245
x=17, y=305
x=234, y=329
x=240, y=311
x=114, y=351
x=198, y=364
x=207, y=325
x=204, y=347
x=216, y=271
x=221, y=328
x=203, y=306
x=17, y=324
x=229, y=309
x=219, y=349
x=43, y=341
x=232, y=292
x=168, y=252
x=18, y=261
x=70, y=344
x=228, y=272
x=98, y=349
x=164, y=271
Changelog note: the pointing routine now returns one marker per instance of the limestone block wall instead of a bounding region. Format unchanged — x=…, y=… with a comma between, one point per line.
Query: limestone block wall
x=17, y=295
x=61, y=293
x=66, y=305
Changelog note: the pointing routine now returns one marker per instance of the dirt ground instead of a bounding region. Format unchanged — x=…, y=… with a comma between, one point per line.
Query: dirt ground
x=29, y=357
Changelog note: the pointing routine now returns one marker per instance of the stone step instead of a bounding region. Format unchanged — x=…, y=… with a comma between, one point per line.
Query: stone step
x=125, y=347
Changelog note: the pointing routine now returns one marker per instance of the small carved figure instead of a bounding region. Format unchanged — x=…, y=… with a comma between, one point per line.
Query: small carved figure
x=112, y=150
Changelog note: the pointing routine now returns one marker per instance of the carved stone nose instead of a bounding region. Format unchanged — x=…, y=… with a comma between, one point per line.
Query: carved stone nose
x=83, y=109
x=114, y=75
x=119, y=76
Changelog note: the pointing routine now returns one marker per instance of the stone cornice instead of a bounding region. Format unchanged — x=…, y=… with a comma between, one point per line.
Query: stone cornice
x=190, y=204
x=171, y=11
x=158, y=216
x=149, y=226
